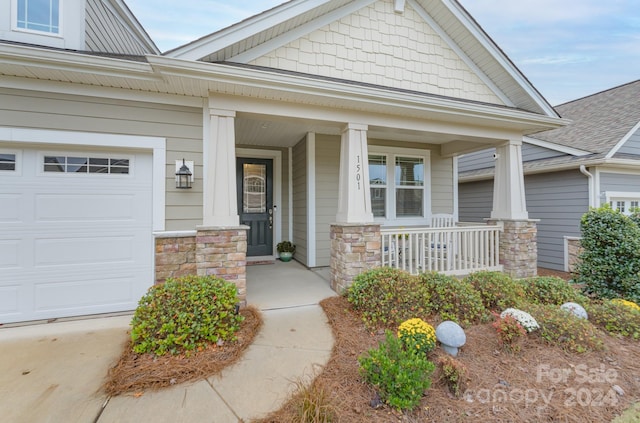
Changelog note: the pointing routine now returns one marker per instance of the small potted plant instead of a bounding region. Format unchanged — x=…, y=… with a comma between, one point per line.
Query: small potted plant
x=286, y=250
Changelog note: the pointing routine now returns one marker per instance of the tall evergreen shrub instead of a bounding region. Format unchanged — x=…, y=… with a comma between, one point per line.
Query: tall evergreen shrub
x=609, y=265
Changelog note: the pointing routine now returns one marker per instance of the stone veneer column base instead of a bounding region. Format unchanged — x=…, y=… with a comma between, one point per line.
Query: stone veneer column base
x=222, y=251
x=354, y=249
x=518, y=247
x=175, y=256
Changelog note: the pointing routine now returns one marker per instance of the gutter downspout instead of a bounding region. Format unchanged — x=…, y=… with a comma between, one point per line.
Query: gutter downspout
x=585, y=172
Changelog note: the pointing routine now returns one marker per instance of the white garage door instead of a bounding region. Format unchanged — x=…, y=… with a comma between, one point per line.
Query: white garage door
x=75, y=232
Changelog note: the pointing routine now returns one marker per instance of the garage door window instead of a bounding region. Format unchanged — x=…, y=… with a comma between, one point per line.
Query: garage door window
x=81, y=164
x=7, y=162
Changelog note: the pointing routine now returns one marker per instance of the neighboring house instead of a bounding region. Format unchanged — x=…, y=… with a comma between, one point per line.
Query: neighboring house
x=303, y=101
x=594, y=160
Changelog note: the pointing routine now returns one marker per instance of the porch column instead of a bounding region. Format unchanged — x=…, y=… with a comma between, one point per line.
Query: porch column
x=220, y=207
x=354, y=202
x=518, y=239
x=355, y=238
x=508, y=183
x=221, y=242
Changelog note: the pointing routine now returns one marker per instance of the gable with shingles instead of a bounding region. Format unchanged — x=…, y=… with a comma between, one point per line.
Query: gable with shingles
x=377, y=45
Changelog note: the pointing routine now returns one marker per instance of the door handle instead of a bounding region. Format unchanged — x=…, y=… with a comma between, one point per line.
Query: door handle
x=270, y=218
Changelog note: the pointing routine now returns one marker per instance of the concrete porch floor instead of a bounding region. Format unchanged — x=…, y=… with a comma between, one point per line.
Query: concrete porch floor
x=284, y=285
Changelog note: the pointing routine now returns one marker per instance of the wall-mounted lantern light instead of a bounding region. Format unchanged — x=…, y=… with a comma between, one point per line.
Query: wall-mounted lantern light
x=184, y=174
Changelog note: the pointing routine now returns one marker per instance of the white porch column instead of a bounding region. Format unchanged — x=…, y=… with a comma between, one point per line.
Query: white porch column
x=354, y=202
x=219, y=196
x=508, y=185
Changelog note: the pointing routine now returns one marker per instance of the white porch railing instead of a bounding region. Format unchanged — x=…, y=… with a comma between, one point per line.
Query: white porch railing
x=451, y=250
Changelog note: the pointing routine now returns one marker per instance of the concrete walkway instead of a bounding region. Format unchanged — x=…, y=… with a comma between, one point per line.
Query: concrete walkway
x=53, y=373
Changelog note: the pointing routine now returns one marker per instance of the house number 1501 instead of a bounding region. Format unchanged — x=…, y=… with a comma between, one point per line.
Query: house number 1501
x=358, y=172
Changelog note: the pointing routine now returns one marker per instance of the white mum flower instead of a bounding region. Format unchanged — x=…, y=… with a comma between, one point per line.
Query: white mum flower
x=525, y=319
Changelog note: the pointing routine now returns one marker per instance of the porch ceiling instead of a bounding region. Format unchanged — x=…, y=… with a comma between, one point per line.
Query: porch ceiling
x=276, y=131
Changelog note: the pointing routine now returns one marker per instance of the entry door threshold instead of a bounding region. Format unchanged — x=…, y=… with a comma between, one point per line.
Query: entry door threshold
x=256, y=260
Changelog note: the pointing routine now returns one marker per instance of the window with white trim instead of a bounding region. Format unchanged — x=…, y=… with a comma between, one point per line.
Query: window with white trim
x=84, y=164
x=397, y=180
x=39, y=15
x=625, y=205
x=7, y=162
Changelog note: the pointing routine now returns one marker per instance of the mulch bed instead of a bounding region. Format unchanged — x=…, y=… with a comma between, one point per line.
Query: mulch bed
x=541, y=383
x=136, y=373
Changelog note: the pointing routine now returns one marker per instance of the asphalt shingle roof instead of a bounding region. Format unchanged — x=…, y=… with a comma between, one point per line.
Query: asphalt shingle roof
x=600, y=120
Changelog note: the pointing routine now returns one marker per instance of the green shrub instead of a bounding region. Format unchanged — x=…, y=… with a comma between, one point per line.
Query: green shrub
x=615, y=318
x=400, y=376
x=497, y=290
x=454, y=299
x=551, y=290
x=387, y=296
x=610, y=262
x=563, y=328
x=185, y=314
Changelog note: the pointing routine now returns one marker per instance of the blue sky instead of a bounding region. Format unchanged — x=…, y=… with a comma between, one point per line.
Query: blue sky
x=567, y=49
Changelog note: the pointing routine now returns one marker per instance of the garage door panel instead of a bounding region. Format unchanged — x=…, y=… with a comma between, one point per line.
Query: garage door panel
x=10, y=208
x=75, y=207
x=83, y=250
x=79, y=294
x=73, y=245
x=9, y=300
x=9, y=253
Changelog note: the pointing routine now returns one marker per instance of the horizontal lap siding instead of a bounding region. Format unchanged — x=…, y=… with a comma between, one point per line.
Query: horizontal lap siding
x=559, y=200
x=622, y=182
x=327, y=179
x=105, y=33
x=632, y=146
x=180, y=126
x=477, y=160
x=475, y=201
x=300, y=219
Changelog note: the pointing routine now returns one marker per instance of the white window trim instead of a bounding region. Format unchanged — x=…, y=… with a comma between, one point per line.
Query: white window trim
x=627, y=197
x=15, y=27
x=18, y=169
x=391, y=153
x=157, y=146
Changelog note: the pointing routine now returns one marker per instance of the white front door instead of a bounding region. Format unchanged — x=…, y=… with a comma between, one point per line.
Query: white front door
x=75, y=232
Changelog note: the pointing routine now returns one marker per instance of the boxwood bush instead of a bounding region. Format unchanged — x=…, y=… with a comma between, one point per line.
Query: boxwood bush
x=386, y=297
x=185, y=314
x=454, y=299
x=497, y=290
x=609, y=266
x=551, y=290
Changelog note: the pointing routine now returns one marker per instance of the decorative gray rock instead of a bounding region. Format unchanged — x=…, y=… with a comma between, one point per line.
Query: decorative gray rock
x=576, y=309
x=451, y=336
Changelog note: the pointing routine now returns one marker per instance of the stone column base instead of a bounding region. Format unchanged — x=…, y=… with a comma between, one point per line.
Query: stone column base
x=573, y=249
x=518, y=247
x=222, y=251
x=354, y=249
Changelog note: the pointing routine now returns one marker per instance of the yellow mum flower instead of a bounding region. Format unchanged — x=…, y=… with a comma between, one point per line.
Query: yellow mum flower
x=626, y=303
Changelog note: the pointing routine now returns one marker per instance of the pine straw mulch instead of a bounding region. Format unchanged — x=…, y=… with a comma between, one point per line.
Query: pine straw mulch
x=136, y=373
x=541, y=383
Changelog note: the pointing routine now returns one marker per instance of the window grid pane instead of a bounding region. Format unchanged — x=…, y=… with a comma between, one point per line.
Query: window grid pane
x=254, y=198
x=93, y=165
x=7, y=162
x=39, y=15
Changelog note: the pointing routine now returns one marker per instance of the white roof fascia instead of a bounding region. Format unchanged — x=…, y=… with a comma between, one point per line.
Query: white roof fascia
x=294, y=34
x=244, y=29
x=438, y=29
x=260, y=78
x=130, y=21
x=490, y=46
x=557, y=147
x=624, y=139
x=75, y=62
